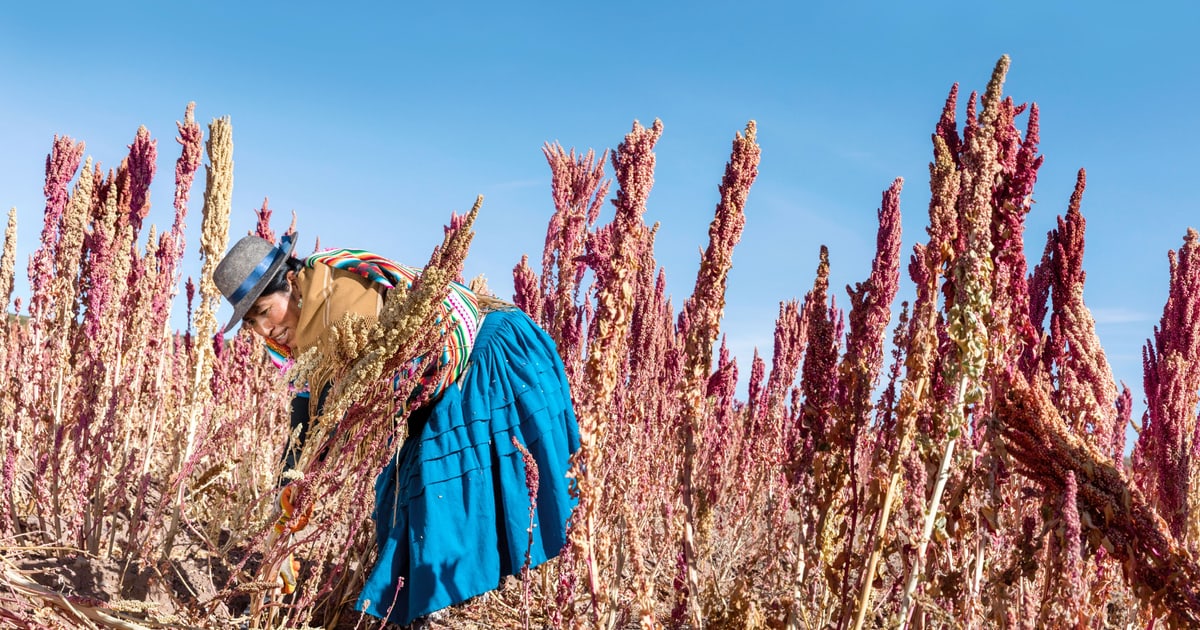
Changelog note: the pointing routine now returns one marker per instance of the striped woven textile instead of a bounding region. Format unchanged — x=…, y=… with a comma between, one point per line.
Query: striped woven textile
x=280, y=355
x=458, y=317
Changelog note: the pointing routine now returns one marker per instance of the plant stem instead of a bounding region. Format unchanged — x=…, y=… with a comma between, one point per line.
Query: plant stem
x=906, y=602
x=906, y=433
x=864, y=597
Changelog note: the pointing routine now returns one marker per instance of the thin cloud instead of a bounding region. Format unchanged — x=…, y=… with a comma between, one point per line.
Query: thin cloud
x=1119, y=315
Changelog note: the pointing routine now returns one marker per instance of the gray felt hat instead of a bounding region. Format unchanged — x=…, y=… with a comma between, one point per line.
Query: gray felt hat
x=247, y=268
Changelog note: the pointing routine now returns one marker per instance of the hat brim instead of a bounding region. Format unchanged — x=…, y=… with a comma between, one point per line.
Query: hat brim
x=243, y=305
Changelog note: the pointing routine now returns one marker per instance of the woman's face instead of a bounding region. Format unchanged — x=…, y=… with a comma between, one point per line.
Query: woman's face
x=275, y=316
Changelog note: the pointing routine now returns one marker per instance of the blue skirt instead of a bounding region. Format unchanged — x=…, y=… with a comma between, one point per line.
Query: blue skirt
x=452, y=508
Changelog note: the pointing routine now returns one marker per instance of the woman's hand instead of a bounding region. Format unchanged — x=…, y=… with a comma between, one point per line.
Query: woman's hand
x=286, y=522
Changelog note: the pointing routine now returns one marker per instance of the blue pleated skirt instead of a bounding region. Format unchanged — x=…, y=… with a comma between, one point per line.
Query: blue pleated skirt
x=452, y=508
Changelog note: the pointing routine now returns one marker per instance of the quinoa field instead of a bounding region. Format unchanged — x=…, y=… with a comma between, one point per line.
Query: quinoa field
x=959, y=460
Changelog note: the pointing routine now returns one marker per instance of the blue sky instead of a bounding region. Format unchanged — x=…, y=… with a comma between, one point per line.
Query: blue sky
x=374, y=121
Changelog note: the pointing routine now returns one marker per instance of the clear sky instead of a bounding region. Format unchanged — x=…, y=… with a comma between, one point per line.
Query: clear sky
x=373, y=121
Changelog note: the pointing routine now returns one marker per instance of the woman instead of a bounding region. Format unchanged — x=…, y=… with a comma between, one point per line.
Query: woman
x=452, y=508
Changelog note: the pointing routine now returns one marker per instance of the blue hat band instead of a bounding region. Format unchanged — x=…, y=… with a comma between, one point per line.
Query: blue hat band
x=257, y=273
